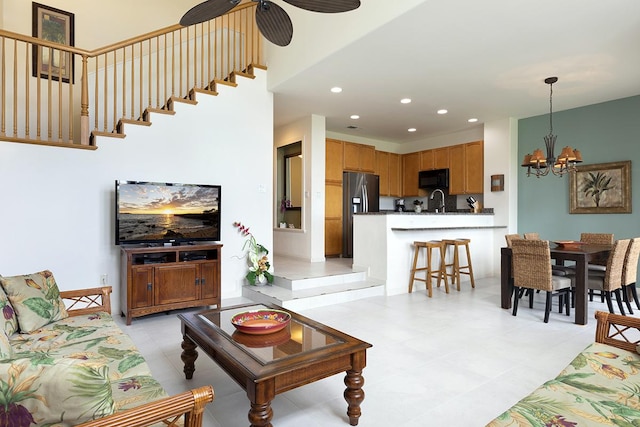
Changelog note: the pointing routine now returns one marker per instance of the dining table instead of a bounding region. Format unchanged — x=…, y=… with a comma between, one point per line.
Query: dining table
x=581, y=255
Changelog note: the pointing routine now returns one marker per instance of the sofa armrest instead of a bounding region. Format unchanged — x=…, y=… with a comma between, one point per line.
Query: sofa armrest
x=87, y=301
x=190, y=403
x=618, y=331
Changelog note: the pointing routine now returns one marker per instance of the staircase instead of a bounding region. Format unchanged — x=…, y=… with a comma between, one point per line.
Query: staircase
x=299, y=285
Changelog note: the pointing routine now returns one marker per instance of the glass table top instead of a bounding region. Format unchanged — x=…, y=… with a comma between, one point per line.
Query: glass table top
x=296, y=338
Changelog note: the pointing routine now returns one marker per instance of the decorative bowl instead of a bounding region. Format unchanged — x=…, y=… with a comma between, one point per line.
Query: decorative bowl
x=272, y=339
x=259, y=322
x=569, y=244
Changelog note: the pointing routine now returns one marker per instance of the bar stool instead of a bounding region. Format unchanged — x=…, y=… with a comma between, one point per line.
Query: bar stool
x=456, y=268
x=439, y=273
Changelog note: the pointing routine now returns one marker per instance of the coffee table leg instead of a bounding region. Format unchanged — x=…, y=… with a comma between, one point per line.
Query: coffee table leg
x=260, y=414
x=354, y=395
x=188, y=356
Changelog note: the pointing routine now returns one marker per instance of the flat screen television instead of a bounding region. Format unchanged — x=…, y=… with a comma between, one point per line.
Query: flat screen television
x=155, y=212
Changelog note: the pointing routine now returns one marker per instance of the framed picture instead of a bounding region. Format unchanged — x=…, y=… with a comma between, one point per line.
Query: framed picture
x=602, y=188
x=53, y=25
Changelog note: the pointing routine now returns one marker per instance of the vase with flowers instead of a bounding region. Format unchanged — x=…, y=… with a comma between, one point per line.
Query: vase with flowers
x=256, y=257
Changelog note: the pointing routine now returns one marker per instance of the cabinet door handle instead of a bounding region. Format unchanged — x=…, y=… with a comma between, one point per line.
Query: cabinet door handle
x=149, y=286
x=197, y=281
x=203, y=281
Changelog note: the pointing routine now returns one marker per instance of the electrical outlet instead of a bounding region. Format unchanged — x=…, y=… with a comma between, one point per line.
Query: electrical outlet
x=104, y=279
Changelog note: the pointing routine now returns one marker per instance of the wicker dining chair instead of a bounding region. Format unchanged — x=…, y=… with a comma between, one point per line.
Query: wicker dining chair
x=610, y=281
x=532, y=236
x=532, y=270
x=597, y=239
x=629, y=273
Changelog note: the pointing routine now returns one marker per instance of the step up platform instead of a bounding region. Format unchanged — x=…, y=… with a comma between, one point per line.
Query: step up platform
x=300, y=285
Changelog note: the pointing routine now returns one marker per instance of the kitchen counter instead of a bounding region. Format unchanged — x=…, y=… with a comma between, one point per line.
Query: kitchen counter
x=383, y=243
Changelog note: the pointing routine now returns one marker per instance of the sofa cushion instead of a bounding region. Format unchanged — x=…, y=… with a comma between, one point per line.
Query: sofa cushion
x=599, y=387
x=8, y=321
x=93, y=337
x=6, y=351
x=66, y=393
x=35, y=299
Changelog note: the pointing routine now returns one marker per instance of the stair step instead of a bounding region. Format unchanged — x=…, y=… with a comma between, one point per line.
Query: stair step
x=318, y=296
x=299, y=283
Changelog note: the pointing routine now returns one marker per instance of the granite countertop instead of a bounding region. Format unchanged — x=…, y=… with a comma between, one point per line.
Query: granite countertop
x=486, y=211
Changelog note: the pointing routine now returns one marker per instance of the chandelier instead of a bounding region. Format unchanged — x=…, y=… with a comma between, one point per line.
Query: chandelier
x=539, y=164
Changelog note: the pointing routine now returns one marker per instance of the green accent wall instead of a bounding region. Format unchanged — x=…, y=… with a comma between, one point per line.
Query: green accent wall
x=606, y=132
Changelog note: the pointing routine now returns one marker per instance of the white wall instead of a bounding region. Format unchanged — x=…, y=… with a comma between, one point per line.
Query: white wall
x=58, y=203
x=308, y=243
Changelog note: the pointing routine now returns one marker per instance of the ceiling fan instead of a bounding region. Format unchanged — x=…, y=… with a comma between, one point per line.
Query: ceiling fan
x=272, y=20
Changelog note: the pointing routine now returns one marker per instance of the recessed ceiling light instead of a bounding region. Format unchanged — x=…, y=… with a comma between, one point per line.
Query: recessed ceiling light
x=411, y=129
x=472, y=120
x=405, y=101
x=443, y=111
x=355, y=116
x=336, y=89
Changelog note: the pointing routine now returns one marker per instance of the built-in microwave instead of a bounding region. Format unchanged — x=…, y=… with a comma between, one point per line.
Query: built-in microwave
x=437, y=178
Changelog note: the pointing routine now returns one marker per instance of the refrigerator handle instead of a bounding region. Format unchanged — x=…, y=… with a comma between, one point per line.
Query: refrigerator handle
x=365, y=199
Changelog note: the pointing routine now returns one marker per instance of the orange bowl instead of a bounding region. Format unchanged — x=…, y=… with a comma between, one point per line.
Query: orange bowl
x=258, y=322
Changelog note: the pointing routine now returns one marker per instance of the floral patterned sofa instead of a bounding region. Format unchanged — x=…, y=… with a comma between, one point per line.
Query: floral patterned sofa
x=65, y=362
x=601, y=386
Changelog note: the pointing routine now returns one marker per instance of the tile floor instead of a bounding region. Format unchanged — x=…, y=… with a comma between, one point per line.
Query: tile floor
x=454, y=360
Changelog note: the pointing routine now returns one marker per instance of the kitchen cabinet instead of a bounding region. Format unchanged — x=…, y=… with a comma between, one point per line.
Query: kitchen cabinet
x=466, y=168
x=388, y=168
x=359, y=157
x=334, y=154
x=333, y=161
x=426, y=160
x=441, y=158
x=395, y=175
x=410, y=169
x=382, y=170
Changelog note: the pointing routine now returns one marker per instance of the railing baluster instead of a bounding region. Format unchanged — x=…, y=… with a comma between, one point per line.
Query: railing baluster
x=194, y=56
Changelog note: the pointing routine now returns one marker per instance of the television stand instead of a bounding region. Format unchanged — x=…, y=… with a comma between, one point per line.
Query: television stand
x=163, y=278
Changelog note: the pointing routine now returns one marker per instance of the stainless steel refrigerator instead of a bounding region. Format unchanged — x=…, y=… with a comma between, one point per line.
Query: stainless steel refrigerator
x=360, y=193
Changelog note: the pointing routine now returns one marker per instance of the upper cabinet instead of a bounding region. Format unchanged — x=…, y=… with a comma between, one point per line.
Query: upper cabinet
x=359, y=157
x=410, y=169
x=466, y=168
x=333, y=161
x=388, y=168
x=426, y=160
x=441, y=159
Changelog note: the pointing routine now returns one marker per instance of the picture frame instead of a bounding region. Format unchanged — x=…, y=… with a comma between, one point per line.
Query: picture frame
x=497, y=182
x=601, y=188
x=57, y=26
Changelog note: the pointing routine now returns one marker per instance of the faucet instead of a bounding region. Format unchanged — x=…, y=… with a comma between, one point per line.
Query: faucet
x=433, y=193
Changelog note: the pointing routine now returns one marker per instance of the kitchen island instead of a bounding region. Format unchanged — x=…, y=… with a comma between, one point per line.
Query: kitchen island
x=383, y=243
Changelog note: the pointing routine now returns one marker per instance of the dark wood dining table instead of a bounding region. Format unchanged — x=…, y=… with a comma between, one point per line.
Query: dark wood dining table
x=581, y=256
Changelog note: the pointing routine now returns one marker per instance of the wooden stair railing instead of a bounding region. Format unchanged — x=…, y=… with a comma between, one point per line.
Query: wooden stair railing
x=120, y=83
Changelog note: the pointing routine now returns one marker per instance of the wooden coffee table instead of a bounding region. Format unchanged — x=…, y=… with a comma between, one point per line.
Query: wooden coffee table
x=266, y=365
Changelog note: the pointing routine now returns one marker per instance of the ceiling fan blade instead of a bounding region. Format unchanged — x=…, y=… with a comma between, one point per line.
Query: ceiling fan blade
x=326, y=6
x=274, y=23
x=207, y=10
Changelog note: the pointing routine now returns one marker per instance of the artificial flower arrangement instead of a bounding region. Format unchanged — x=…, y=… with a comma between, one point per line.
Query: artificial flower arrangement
x=256, y=257
x=284, y=204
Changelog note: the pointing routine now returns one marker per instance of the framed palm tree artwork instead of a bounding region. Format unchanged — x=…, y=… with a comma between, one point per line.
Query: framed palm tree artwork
x=601, y=188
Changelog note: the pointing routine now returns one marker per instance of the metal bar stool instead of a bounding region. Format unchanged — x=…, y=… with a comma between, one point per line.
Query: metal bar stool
x=456, y=268
x=439, y=273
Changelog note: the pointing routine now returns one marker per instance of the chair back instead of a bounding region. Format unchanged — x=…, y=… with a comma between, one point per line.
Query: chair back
x=630, y=269
x=532, y=264
x=597, y=238
x=532, y=236
x=615, y=264
x=510, y=238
